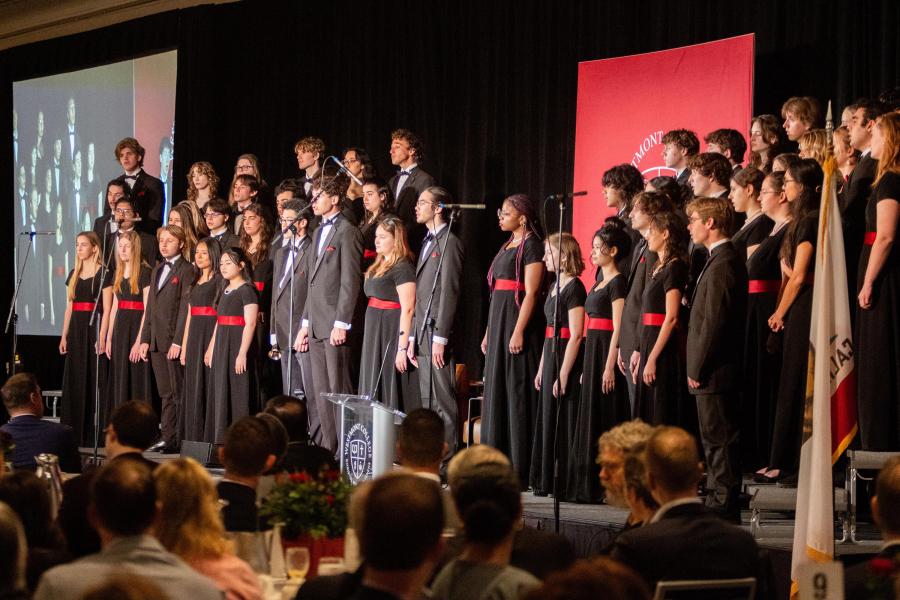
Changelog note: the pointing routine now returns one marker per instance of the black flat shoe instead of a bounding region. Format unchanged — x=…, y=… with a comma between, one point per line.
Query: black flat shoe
x=763, y=479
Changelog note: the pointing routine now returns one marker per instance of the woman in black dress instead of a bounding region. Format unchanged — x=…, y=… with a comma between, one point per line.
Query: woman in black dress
x=198, y=331
x=378, y=201
x=80, y=343
x=130, y=376
x=762, y=362
x=878, y=316
x=662, y=396
x=512, y=342
x=390, y=285
x=793, y=315
x=745, y=197
x=232, y=354
x=256, y=235
x=562, y=256
x=604, y=396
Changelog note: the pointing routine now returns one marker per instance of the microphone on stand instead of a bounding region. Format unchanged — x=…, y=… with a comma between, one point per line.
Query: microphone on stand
x=343, y=168
x=463, y=206
x=566, y=195
x=34, y=233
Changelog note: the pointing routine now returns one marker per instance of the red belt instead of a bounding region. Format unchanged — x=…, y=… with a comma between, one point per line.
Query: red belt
x=869, y=238
x=83, y=306
x=383, y=304
x=369, y=253
x=654, y=319
x=130, y=305
x=763, y=286
x=260, y=285
x=229, y=320
x=564, y=333
x=600, y=324
x=509, y=285
x=203, y=311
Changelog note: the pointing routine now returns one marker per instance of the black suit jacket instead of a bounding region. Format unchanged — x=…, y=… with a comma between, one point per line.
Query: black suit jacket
x=148, y=197
x=405, y=203
x=642, y=264
x=688, y=542
x=853, y=214
x=281, y=297
x=716, y=325
x=228, y=239
x=446, y=294
x=859, y=577
x=166, y=311
x=33, y=436
x=241, y=513
x=335, y=276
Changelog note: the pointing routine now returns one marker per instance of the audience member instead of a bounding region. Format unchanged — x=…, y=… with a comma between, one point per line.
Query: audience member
x=302, y=454
x=14, y=550
x=188, y=525
x=247, y=454
x=123, y=509
x=126, y=587
x=614, y=447
x=31, y=434
x=641, y=503
x=592, y=579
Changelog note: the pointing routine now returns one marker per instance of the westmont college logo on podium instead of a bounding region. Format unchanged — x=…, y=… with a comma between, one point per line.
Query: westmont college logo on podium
x=358, y=454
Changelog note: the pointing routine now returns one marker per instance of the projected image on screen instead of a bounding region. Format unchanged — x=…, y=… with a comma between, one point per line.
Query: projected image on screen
x=65, y=130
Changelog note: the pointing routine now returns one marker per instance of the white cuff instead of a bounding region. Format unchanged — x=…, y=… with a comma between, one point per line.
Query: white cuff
x=412, y=338
x=273, y=339
x=440, y=340
x=342, y=325
x=305, y=323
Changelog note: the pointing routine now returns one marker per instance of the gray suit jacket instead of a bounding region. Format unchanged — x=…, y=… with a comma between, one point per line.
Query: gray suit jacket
x=281, y=298
x=335, y=276
x=139, y=555
x=446, y=294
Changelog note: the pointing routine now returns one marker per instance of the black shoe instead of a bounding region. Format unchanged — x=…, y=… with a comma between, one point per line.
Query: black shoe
x=157, y=447
x=788, y=481
x=170, y=449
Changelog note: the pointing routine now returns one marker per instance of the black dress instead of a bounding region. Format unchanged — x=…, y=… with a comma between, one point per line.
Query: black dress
x=233, y=395
x=380, y=335
x=786, y=435
x=509, y=395
x=762, y=367
x=597, y=412
x=666, y=401
x=571, y=296
x=878, y=338
x=197, y=376
x=268, y=372
x=752, y=233
x=129, y=381
x=79, y=374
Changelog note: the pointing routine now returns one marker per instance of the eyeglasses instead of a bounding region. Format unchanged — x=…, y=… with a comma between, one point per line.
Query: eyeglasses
x=212, y=213
x=761, y=192
x=421, y=202
x=349, y=161
x=287, y=220
x=124, y=211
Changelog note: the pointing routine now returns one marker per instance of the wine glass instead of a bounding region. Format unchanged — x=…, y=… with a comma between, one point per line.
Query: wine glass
x=297, y=562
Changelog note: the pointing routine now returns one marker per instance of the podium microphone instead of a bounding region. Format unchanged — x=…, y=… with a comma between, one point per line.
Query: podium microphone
x=463, y=206
x=34, y=233
x=371, y=394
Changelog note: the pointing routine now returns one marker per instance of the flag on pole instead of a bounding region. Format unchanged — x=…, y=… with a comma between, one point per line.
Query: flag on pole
x=829, y=417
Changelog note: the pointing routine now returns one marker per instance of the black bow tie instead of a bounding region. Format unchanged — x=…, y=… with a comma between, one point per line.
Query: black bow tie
x=402, y=172
x=171, y=263
x=131, y=177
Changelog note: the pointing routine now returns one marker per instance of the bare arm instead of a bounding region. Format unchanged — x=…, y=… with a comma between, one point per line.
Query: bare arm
x=534, y=274
x=796, y=277
x=407, y=294
x=887, y=212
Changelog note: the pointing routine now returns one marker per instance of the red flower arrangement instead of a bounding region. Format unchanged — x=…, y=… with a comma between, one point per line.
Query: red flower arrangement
x=314, y=506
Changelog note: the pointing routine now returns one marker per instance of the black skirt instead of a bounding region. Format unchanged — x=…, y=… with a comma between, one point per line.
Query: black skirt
x=197, y=376
x=128, y=380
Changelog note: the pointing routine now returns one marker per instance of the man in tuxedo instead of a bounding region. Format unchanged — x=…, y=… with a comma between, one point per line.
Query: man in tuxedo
x=124, y=215
x=430, y=349
x=800, y=114
x=165, y=171
x=60, y=187
x=30, y=433
x=684, y=539
x=22, y=200
x=406, y=152
x=92, y=191
x=714, y=344
x=164, y=318
x=875, y=578
x=244, y=190
x=333, y=266
x=621, y=184
x=288, y=189
x=246, y=455
x=730, y=144
x=40, y=150
x=146, y=190
x=72, y=139
x=217, y=213
x=309, y=151
x=79, y=202
x=290, y=273
x=680, y=145
x=106, y=223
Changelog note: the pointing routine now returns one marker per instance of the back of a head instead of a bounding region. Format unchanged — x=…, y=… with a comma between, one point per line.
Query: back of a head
x=123, y=497
x=292, y=414
x=465, y=461
x=589, y=580
x=17, y=390
x=887, y=490
x=13, y=549
x=489, y=502
x=28, y=496
x=278, y=435
x=247, y=447
x=403, y=520
x=135, y=423
x=672, y=459
x=421, y=438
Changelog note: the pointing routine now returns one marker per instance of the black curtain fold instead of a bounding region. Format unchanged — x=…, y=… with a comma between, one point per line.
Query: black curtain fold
x=489, y=85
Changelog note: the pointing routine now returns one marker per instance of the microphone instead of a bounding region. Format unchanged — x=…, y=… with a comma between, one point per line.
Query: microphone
x=34, y=233
x=343, y=168
x=371, y=394
x=566, y=195
x=463, y=206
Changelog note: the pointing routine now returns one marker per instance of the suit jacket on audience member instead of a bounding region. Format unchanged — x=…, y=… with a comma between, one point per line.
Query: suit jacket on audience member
x=166, y=310
x=864, y=580
x=138, y=555
x=33, y=436
x=688, y=542
x=241, y=513
x=446, y=294
x=716, y=324
x=334, y=277
x=281, y=302
x=148, y=197
x=405, y=203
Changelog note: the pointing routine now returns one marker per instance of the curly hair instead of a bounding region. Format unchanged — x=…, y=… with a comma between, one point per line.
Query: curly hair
x=712, y=165
x=814, y=144
x=625, y=178
x=773, y=135
x=683, y=138
x=204, y=168
x=415, y=143
x=729, y=139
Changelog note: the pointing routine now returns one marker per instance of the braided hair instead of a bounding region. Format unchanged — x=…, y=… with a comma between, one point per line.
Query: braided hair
x=526, y=207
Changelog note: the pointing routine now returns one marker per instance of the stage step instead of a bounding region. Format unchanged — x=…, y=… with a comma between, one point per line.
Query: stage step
x=773, y=499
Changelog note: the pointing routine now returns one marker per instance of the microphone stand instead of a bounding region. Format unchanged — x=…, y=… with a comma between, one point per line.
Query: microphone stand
x=95, y=322
x=371, y=394
x=428, y=321
x=12, y=319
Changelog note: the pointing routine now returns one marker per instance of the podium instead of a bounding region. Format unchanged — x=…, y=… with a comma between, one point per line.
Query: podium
x=368, y=435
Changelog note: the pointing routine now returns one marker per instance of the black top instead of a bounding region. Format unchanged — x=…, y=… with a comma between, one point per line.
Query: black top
x=752, y=233
x=571, y=295
x=807, y=230
x=671, y=276
x=888, y=188
x=124, y=291
x=504, y=266
x=599, y=300
x=231, y=302
x=764, y=264
x=384, y=287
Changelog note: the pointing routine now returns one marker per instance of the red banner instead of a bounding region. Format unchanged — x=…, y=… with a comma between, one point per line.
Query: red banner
x=626, y=104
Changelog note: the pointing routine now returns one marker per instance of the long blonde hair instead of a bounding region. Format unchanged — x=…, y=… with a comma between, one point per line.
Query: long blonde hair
x=189, y=524
x=204, y=168
x=79, y=264
x=889, y=162
x=394, y=226
x=134, y=263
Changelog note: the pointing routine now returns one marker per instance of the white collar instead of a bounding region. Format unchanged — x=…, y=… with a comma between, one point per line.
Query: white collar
x=439, y=229
x=866, y=152
x=717, y=244
x=220, y=231
x=134, y=173
x=662, y=510
x=410, y=168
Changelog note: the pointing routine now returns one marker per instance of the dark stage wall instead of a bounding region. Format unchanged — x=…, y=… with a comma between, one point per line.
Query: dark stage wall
x=490, y=86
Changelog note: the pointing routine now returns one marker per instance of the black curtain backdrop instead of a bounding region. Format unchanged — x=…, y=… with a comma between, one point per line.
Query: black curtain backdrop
x=489, y=86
